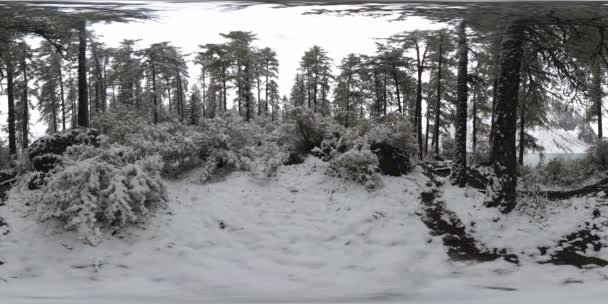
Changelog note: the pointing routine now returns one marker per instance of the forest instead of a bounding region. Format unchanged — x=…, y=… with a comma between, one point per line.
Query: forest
x=404, y=162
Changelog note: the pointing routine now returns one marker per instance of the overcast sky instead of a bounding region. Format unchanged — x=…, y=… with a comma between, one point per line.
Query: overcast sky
x=286, y=30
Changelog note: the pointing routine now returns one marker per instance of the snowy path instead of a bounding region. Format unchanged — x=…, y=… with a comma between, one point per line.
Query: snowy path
x=301, y=237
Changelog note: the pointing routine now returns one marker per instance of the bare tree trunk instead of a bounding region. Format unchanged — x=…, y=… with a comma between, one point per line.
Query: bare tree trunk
x=396, y=79
x=12, y=138
x=247, y=94
x=503, y=142
x=224, y=88
x=474, y=145
x=438, y=98
x=24, y=102
x=259, y=96
x=522, y=127
x=459, y=169
x=266, y=92
x=154, y=96
x=61, y=88
x=418, y=105
x=83, y=98
x=596, y=93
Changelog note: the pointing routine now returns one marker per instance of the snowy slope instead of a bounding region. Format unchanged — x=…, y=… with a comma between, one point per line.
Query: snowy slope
x=301, y=237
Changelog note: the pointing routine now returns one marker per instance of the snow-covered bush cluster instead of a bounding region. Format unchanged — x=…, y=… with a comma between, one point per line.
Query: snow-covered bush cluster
x=227, y=143
x=353, y=160
x=304, y=130
x=177, y=144
x=598, y=154
x=94, y=188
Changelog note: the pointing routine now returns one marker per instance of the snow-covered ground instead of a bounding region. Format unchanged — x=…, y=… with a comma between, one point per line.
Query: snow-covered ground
x=299, y=237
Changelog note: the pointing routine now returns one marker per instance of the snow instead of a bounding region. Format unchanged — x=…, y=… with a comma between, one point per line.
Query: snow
x=527, y=228
x=556, y=140
x=299, y=237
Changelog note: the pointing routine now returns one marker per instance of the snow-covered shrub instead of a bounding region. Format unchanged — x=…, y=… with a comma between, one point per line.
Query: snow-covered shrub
x=309, y=129
x=98, y=188
x=598, y=154
x=394, y=144
x=481, y=155
x=564, y=172
x=228, y=144
x=448, y=146
x=45, y=153
x=358, y=164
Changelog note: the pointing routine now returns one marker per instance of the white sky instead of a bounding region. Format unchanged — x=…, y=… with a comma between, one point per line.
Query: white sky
x=286, y=30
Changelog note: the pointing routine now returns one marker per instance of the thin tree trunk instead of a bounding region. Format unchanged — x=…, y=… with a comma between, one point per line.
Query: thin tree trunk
x=61, y=88
x=83, y=106
x=259, y=96
x=522, y=126
x=474, y=139
x=396, y=79
x=460, y=152
x=24, y=102
x=12, y=138
x=418, y=106
x=266, y=92
x=155, y=101
x=596, y=93
x=437, y=119
x=503, y=144
x=247, y=94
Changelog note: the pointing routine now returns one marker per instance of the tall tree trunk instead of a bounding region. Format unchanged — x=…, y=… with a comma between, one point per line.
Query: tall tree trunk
x=474, y=144
x=437, y=120
x=247, y=94
x=224, y=88
x=168, y=82
x=396, y=79
x=459, y=168
x=259, y=96
x=384, y=94
x=61, y=88
x=10, y=86
x=180, y=95
x=266, y=92
x=83, y=98
x=154, y=96
x=522, y=128
x=596, y=93
x=54, y=105
x=418, y=105
x=25, y=103
x=503, y=143
x=494, y=92
x=347, y=99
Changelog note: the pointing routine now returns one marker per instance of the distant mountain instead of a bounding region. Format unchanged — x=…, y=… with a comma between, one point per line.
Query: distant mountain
x=568, y=132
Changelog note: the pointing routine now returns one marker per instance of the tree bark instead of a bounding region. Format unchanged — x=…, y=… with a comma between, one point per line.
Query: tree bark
x=10, y=86
x=61, y=88
x=154, y=97
x=396, y=80
x=418, y=106
x=460, y=152
x=438, y=98
x=83, y=100
x=522, y=132
x=24, y=102
x=596, y=93
x=503, y=193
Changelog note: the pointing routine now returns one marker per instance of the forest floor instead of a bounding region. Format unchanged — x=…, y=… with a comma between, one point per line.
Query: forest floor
x=300, y=237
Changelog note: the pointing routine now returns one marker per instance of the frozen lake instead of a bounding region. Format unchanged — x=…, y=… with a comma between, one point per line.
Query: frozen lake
x=532, y=159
